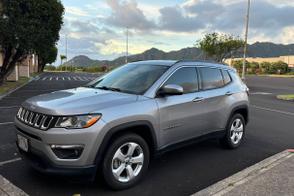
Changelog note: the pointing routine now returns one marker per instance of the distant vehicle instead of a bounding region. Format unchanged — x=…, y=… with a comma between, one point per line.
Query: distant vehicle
x=118, y=121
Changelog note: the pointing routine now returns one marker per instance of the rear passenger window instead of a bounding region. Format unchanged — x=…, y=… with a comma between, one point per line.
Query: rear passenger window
x=227, y=77
x=185, y=77
x=211, y=78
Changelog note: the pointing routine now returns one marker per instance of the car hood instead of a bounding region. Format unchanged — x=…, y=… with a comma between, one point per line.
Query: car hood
x=80, y=100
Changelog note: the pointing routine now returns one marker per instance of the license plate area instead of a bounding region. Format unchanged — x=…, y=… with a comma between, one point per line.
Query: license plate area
x=23, y=143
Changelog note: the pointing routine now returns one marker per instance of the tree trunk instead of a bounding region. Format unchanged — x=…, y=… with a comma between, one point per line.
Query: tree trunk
x=9, y=63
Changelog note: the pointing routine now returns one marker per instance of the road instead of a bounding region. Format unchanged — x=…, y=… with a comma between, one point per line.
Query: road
x=180, y=172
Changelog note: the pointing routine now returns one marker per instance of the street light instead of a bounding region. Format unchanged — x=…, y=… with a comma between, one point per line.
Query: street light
x=245, y=44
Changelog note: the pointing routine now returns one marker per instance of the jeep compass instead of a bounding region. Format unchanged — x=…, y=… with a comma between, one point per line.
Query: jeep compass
x=117, y=122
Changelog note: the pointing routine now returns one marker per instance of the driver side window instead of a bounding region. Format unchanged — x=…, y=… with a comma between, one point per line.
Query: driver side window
x=185, y=77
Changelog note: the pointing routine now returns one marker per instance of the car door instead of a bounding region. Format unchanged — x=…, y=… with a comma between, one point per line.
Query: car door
x=214, y=90
x=181, y=115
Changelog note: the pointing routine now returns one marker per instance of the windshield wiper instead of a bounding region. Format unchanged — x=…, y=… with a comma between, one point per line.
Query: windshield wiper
x=89, y=86
x=109, y=88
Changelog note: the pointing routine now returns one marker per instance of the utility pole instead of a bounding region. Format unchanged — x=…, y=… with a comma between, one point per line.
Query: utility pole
x=127, y=44
x=65, y=50
x=246, y=37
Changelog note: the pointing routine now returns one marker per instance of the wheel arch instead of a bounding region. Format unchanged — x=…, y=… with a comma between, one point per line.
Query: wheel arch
x=143, y=128
x=241, y=109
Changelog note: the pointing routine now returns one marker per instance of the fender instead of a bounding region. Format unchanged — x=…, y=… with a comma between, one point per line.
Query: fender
x=122, y=128
x=238, y=108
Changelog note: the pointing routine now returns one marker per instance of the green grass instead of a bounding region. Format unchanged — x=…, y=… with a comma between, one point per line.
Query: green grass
x=8, y=86
x=286, y=97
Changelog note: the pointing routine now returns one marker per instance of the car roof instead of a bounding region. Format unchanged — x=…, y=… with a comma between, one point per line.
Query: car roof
x=184, y=62
x=157, y=62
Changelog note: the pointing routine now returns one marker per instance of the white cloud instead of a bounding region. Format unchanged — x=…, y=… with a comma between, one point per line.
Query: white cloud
x=75, y=11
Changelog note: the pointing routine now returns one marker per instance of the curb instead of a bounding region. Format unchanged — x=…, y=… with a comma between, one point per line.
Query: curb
x=224, y=186
x=8, y=189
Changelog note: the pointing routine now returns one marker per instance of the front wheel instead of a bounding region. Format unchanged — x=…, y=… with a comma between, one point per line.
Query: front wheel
x=126, y=161
x=235, y=132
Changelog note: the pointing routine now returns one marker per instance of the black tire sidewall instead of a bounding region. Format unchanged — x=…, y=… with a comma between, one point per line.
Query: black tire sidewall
x=107, y=161
x=227, y=139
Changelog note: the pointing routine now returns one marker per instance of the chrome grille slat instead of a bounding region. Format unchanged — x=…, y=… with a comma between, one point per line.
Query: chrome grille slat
x=39, y=120
x=34, y=119
x=31, y=118
x=22, y=114
x=43, y=121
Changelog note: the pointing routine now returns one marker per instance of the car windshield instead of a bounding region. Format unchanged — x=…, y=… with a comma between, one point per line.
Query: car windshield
x=130, y=78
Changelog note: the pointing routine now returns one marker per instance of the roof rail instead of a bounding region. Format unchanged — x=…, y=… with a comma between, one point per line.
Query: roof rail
x=202, y=61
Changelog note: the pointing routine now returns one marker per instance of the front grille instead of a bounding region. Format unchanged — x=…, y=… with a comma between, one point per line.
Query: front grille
x=37, y=120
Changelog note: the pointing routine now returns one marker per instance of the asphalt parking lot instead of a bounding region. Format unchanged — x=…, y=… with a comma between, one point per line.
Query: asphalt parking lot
x=181, y=172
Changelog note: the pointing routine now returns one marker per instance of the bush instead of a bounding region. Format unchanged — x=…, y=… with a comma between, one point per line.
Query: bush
x=265, y=67
x=253, y=68
x=50, y=68
x=280, y=67
x=238, y=65
x=94, y=69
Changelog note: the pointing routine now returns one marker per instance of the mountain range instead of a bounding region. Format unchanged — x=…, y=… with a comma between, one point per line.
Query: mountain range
x=258, y=49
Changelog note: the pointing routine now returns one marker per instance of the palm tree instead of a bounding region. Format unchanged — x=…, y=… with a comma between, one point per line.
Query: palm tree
x=62, y=57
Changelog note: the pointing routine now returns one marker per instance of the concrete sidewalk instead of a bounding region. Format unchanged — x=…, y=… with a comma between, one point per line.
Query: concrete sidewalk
x=8, y=189
x=272, y=176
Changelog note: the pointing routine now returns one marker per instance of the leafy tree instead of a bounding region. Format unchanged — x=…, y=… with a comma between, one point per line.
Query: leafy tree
x=47, y=57
x=219, y=46
x=28, y=26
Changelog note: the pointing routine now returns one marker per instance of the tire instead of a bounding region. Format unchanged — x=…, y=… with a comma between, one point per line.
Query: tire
x=234, y=132
x=121, y=159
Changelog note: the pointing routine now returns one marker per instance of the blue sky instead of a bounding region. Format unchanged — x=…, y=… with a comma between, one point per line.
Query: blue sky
x=96, y=28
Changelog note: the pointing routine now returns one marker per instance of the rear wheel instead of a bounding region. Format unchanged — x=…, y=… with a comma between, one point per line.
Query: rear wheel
x=126, y=161
x=235, y=132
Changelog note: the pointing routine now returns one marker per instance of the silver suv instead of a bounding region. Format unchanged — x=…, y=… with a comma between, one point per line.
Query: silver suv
x=118, y=121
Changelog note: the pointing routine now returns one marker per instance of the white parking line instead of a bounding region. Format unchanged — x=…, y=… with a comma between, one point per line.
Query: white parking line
x=62, y=78
x=272, y=110
x=260, y=93
x=68, y=78
x=10, y=161
x=44, y=78
x=50, y=78
x=6, y=123
x=56, y=78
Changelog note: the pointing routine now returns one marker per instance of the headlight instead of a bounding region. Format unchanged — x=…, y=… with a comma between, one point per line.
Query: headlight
x=78, y=122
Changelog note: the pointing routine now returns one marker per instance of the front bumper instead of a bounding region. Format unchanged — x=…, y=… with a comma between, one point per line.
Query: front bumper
x=42, y=157
x=40, y=162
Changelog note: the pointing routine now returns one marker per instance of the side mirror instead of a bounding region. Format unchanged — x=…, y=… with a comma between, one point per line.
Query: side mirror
x=171, y=89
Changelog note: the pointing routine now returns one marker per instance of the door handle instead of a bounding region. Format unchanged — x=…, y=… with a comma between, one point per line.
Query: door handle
x=229, y=93
x=198, y=99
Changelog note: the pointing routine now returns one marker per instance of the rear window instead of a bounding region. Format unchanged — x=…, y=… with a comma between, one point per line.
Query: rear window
x=210, y=78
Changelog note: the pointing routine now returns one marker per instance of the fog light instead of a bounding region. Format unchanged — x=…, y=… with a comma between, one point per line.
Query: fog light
x=67, y=151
